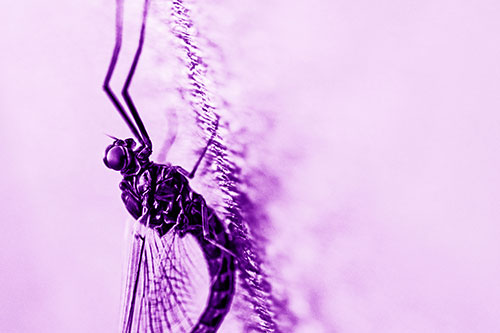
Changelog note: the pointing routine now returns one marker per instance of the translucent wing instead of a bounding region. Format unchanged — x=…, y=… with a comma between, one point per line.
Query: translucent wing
x=166, y=282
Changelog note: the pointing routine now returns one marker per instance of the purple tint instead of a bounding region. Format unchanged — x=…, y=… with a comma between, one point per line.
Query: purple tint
x=115, y=158
x=175, y=298
x=257, y=308
x=364, y=135
x=159, y=197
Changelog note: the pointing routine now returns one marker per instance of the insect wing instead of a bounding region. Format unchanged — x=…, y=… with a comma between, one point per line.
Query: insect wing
x=166, y=282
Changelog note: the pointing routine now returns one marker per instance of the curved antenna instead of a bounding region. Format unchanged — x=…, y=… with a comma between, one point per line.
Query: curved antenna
x=111, y=68
x=128, y=81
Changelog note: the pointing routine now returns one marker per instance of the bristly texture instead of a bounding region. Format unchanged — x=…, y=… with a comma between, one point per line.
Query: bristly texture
x=256, y=307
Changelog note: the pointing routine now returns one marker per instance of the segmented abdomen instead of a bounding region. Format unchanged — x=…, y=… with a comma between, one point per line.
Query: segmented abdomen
x=221, y=266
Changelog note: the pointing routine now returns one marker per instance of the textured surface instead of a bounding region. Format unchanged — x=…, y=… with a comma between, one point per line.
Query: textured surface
x=371, y=130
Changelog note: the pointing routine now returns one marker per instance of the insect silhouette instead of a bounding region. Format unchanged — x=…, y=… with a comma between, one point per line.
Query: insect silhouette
x=159, y=292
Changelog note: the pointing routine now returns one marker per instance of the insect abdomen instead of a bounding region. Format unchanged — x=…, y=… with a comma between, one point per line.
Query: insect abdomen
x=221, y=267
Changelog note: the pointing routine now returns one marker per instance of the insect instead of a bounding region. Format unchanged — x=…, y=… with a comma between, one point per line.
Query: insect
x=159, y=292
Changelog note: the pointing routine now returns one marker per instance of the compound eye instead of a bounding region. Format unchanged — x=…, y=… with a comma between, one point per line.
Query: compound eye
x=116, y=158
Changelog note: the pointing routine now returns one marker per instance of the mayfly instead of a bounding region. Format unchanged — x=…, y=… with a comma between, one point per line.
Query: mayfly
x=158, y=296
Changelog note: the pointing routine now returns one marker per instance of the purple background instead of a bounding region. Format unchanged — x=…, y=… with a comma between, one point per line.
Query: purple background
x=381, y=124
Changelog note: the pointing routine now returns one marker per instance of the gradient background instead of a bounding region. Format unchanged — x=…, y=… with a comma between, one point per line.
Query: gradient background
x=384, y=138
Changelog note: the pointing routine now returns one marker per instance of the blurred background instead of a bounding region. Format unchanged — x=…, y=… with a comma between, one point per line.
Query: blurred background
x=377, y=123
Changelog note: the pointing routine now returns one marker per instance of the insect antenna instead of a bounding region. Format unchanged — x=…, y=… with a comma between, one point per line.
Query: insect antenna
x=111, y=136
x=128, y=81
x=116, y=51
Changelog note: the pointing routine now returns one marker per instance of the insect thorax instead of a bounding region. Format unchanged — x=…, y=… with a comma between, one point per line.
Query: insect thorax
x=160, y=196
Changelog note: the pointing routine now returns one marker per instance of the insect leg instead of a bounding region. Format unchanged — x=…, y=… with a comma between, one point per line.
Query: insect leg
x=219, y=232
x=173, y=124
x=111, y=68
x=136, y=284
x=138, y=269
x=191, y=174
x=130, y=76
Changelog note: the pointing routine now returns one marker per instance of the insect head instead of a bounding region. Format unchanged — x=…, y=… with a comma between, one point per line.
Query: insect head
x=120, y=156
